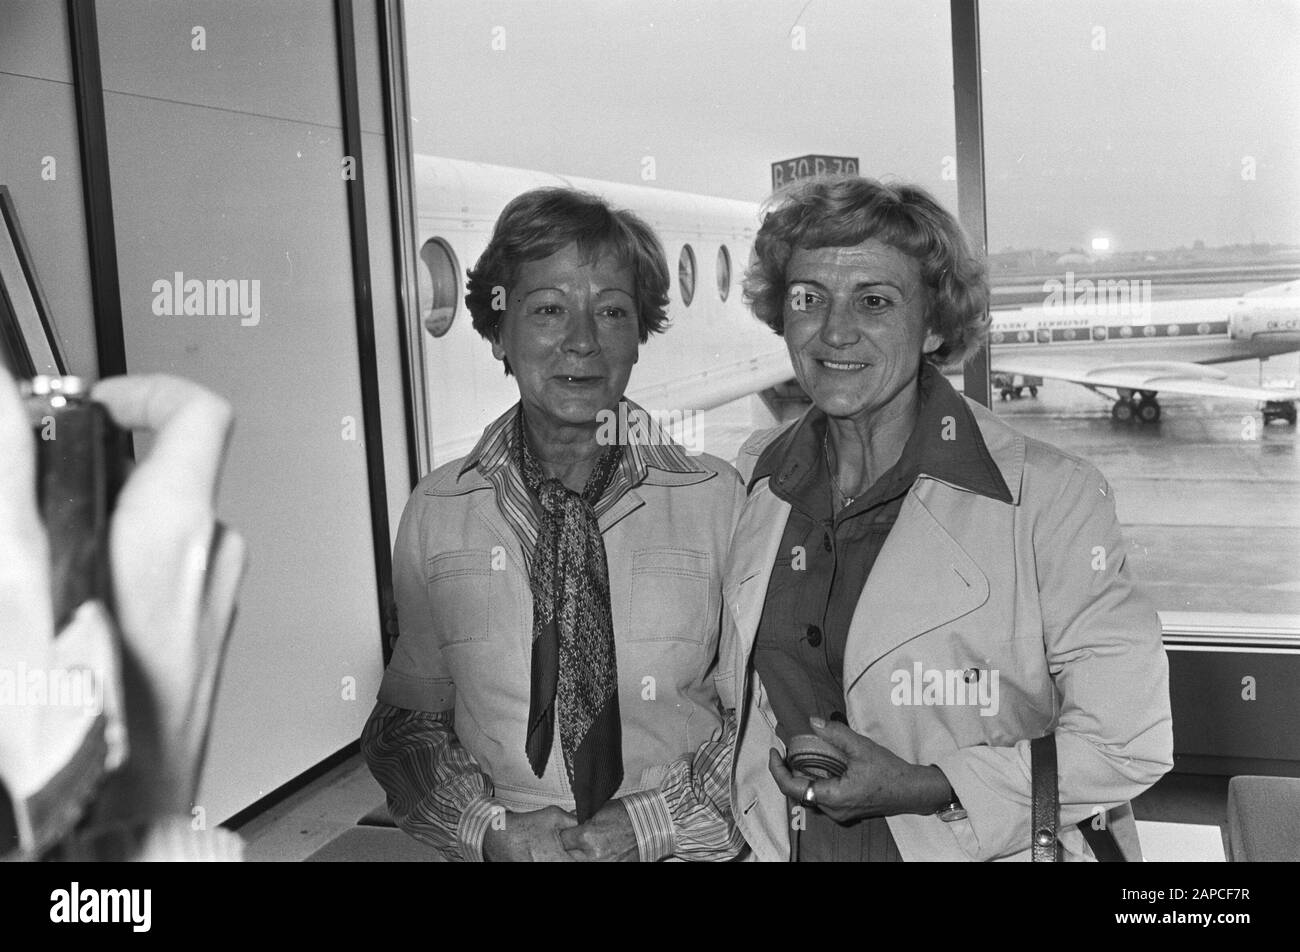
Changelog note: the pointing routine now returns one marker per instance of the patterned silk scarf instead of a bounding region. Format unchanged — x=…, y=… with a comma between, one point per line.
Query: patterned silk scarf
x=574, y=677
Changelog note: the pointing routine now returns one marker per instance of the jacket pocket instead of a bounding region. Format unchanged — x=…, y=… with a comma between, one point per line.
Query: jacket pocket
x=458, y=584
x=672, y=596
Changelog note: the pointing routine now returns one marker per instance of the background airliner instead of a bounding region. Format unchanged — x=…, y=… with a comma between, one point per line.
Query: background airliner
x=1139, y=350
x=716, y=351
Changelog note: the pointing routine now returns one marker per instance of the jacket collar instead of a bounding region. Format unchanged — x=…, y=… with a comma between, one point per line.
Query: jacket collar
x=650, y=455
x=1004, y=445
x=945, y=444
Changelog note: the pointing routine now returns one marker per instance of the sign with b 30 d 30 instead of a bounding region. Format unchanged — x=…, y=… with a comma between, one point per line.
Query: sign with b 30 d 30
x=790, y=170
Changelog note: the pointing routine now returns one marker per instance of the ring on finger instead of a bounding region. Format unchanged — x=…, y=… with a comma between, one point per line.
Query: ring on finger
x=810, y=795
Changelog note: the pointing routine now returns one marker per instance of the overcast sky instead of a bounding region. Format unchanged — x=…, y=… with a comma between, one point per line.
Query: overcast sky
x=1152, y=122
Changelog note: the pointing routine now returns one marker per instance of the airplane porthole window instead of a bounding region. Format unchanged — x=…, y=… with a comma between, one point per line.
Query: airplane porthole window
x=1069, y=333
x=1174, y=330
x=1126, y=331
x=686, y=274
x=1202, y=328
x=1022, y=336
x=724, y=272
x=439, y=286
x=996, y=338
x=1099, y=333
x=1149, y=330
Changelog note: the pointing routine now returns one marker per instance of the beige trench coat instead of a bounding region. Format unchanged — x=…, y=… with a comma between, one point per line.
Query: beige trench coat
x=981, y=626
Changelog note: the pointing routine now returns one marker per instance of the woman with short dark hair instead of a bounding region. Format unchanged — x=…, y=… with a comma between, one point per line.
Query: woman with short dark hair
x=559, y=591
x=544, y=220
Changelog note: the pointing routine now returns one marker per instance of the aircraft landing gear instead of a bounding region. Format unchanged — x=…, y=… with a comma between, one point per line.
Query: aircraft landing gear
x=1143, y=407
x=1012, y=386
x=1148, y=410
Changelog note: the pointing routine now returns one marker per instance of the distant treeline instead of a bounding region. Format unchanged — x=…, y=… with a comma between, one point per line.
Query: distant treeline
x=1228, y=258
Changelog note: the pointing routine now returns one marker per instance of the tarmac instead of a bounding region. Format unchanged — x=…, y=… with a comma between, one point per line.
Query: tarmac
x=1209, y=497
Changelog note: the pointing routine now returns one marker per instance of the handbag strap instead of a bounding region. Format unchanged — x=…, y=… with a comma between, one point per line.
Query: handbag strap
x=1045, y=807
x=1044, y=799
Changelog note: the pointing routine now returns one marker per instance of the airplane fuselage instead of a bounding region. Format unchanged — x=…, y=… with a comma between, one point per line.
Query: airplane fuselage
x=1202, y=332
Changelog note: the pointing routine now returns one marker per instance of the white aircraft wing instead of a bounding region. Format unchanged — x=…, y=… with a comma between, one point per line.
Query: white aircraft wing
x=1168, y=376
x=720, y=384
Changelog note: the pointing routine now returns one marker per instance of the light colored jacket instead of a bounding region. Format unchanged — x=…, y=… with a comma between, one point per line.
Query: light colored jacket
x=1027, y=615
x=466, y=614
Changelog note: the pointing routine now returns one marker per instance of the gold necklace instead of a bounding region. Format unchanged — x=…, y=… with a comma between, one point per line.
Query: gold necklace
x=830, y=469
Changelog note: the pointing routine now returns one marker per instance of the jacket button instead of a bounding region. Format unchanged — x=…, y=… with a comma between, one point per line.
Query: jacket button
x=814, y=635
x=1043, y=837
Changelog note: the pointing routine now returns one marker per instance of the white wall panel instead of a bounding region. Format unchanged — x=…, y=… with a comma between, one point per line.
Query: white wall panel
x=226, y=166
x=271, y=59
x=34, y=40
x=38, y=119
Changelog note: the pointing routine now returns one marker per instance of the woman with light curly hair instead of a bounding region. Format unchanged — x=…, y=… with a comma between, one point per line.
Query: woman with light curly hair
x=916, y=591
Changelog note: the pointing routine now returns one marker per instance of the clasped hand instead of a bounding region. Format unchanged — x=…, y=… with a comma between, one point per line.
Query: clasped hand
x=877, y=782
x=555, y=836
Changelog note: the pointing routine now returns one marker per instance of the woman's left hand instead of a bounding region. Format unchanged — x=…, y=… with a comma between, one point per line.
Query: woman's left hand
x=608, y=837
x=876, y=783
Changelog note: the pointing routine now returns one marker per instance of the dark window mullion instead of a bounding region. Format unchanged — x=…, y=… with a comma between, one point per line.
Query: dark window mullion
x=968, y=108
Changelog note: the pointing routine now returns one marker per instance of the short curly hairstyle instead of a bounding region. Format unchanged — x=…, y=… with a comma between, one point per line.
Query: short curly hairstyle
x=541, y=222
x=846, y=210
